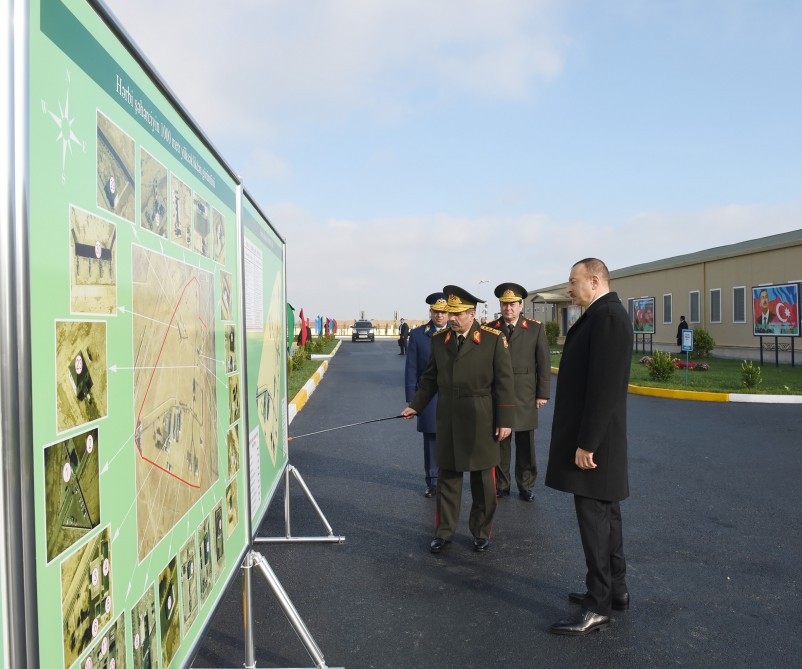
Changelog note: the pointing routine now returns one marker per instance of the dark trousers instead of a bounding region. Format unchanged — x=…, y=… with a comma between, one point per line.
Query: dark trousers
x=449, y=496
x=603, y=543
x=429, y=458
x=525, y=464
x=402, y=344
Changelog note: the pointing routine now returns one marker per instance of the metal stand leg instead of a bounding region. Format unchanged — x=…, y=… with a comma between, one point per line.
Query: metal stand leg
x=247, y=614
x=289, y=610
x=329, y=538
x=254, y=559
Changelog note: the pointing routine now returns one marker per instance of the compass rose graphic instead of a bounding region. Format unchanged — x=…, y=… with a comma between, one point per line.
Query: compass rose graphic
x=65, y=135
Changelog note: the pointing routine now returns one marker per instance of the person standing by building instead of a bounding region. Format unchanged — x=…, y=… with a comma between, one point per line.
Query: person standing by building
x=420, y=339
x=470, y=366
x=683, y=325
x=403, y=337
x=588, y=454
x=531, y=366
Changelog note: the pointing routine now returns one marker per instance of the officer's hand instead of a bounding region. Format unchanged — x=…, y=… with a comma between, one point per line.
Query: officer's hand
x=540, y=402
x=584, y=459
x=502, y=433
x=409, y=413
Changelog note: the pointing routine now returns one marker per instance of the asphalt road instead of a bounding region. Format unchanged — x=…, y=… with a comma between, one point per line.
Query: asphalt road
x=711, y=532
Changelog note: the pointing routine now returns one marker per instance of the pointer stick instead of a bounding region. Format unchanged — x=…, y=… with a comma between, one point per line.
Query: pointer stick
x=364, y=422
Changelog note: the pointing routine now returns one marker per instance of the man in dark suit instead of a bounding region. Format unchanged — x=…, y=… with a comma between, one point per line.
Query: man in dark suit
x=470, y=366
x=531, y=366
x=683, y=325
x=403, y=337
x=420, y=339
x=588, y=455
x=765, y=316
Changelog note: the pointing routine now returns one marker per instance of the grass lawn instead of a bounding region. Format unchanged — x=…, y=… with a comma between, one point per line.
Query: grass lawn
x=300, y=376
x=724, y=376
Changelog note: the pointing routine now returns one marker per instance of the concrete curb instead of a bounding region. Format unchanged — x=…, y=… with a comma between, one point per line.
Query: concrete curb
x=698, y=396
x=297, y=403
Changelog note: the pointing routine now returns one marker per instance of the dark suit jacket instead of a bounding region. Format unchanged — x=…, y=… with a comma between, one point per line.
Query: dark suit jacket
x=531, y=366
x=590, y=409
x=420, y=339
x=477, y=394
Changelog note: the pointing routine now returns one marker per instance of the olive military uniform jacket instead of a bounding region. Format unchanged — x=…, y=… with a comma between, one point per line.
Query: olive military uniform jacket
x=590, y=408
x=476, y=395
x=531, y=366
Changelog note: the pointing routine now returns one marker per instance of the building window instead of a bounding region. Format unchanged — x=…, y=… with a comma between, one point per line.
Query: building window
x=667, y=317
x=715, y=305
x=695, y=313
x=739, y=304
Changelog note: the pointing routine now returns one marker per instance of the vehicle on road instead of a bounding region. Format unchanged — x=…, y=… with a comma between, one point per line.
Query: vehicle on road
x=363, y=330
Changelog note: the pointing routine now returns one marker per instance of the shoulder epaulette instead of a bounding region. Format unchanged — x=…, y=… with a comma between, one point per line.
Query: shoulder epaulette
x=443, y=331
x=487, y=328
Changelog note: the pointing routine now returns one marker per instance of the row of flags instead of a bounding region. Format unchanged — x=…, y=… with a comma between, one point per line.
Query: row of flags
x=324, y=326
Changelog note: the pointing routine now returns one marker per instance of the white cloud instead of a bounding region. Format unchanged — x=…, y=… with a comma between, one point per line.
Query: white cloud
x=382, y=265
x=251, y=61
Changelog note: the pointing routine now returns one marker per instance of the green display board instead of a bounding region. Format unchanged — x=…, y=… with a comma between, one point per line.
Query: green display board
x=265, y=355
x=140, y=500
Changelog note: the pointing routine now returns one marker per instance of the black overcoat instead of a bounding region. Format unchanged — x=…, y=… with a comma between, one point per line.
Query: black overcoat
x=531, y=367
x=590, y=408
x=476, y=395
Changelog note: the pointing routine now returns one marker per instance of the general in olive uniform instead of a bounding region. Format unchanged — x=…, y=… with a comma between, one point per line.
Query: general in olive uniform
x=470, y=367
x=531, y=366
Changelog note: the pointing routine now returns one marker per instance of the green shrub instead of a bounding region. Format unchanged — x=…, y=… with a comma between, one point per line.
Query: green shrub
x=299, y=357
x=750, y=374
x=552, y=332
x=703, y=343
x=661, y=368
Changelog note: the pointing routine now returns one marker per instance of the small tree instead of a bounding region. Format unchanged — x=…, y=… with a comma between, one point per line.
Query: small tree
x=552, y=332
x=703, y=343
x=661, y=367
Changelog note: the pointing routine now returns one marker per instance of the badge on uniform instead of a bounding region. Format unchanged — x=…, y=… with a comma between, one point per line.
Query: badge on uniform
x=477, y=337
x=448, y=337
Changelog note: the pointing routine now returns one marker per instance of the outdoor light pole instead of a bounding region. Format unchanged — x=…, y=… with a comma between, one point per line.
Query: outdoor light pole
x=479, y=290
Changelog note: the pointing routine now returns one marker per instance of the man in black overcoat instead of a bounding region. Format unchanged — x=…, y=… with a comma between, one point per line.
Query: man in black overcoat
x=469, y=365
x=588, y=454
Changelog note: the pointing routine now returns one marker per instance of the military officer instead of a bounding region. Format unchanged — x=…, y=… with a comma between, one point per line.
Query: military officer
x=470, y=367
x=420, y=339
x=531, y=366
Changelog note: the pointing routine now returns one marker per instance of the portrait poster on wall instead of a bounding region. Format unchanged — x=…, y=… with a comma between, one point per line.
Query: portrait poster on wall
x=775, y=310
x=643, y=315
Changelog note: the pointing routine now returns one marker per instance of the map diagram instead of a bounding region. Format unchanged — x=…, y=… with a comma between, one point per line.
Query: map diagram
x=175, y=398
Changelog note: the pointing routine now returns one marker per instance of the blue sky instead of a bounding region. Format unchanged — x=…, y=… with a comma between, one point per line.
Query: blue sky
x=401, y=146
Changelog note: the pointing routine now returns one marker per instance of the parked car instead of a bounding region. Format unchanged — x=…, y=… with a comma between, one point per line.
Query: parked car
x=363, y=330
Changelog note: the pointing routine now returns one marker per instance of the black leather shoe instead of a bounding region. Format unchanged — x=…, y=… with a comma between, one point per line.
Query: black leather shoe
x=502, y=493
x=437, y=545
x=527, y=495
x=481, y=545
x=620, y=602
x=430, y=491
x=584, y=624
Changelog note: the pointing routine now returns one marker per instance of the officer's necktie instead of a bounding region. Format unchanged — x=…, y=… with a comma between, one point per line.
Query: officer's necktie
x=510, y=328
x=460, y=341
